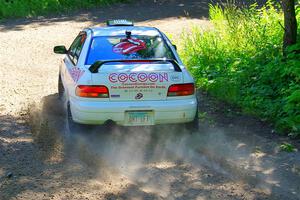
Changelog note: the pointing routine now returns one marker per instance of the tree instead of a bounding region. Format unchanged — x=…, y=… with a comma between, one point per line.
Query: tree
x=290, y=23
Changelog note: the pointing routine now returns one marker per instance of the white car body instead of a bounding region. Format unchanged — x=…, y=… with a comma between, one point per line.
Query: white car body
x=137, y=91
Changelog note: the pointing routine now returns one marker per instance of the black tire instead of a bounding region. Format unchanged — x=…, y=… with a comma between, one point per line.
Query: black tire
x=61, y=89
x=193, y=125
x=75, y=128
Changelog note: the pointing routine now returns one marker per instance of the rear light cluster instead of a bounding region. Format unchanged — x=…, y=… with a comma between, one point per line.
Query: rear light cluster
x=92, y=91
x=101, y=91
x=181, y=90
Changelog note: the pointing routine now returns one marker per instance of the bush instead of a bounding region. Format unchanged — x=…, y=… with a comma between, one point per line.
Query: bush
x=29, y=8
x=240, y=61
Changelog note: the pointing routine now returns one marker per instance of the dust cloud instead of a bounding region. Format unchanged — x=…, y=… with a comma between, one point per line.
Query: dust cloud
x=139, y=155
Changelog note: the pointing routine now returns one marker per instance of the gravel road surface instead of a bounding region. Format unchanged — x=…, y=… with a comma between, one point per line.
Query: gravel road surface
x=232, y=156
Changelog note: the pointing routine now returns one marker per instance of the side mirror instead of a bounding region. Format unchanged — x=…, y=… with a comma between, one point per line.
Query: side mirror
x=175, y=47
x=60, y=50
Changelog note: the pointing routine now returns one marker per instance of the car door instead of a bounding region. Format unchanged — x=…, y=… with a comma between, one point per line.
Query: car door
x=71, y=62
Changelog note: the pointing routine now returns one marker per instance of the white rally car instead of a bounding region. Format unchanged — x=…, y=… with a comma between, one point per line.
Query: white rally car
x=126, y=74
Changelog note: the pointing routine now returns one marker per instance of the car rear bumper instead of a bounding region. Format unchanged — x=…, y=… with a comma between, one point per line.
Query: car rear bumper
x=164, y=112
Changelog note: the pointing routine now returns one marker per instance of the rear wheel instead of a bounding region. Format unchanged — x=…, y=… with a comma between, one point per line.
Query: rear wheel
x=193, y=125
x=61, y=89
x=73, y=126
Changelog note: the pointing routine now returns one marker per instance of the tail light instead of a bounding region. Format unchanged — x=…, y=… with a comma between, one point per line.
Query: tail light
x=181, y=90
x=92, y=91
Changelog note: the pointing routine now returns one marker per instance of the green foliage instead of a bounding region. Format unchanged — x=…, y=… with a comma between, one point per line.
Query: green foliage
x=240, y=61
x=287, y=147
x=28, y=8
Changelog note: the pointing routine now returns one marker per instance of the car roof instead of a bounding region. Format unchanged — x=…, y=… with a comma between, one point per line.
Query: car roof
x=121, y=30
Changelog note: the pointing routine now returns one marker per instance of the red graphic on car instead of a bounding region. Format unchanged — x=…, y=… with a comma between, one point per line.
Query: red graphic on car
x=129, y=46
x=76, y=73
x=138, y=77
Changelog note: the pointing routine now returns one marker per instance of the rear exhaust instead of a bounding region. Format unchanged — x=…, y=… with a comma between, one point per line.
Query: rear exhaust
x=109, y=124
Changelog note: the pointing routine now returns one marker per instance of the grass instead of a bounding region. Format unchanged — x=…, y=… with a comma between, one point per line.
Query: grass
x=287, y=147
x=240, y=61
x=30, y=8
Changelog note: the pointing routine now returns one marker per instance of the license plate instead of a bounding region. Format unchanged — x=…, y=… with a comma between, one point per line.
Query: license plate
x=139, y=118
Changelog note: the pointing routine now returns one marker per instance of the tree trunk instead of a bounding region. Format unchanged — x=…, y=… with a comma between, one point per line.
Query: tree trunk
x=290, y=23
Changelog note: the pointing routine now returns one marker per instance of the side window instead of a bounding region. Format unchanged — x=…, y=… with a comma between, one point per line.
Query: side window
x=76, y=47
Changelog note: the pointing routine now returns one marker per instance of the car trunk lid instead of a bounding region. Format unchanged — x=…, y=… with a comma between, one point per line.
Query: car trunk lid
x=137, y=81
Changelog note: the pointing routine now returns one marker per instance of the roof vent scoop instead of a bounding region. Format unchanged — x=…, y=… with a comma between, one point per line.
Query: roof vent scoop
x=119, y=22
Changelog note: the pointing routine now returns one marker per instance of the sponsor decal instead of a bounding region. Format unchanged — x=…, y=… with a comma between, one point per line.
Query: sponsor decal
x=115, y=96
x=129, y=46
x=138, y=77
x=175, y=78
x=139, y=96
x=76, y=73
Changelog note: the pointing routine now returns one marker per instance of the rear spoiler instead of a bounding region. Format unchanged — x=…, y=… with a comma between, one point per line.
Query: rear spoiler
x=96, y=66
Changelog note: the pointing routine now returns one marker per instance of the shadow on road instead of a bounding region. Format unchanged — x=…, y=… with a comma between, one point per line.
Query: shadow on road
x=21, y=166
x=138, y=11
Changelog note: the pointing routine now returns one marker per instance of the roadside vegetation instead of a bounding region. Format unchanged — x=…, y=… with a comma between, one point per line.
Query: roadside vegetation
x=240, y=61
x=30, y=8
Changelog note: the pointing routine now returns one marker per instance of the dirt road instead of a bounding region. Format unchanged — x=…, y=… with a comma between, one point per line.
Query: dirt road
x=231, y=157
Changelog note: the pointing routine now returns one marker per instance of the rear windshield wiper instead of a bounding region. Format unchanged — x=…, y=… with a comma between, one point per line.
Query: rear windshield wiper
x=96, y=66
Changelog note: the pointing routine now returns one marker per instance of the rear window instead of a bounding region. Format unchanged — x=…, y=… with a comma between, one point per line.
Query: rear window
x=126, y=48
